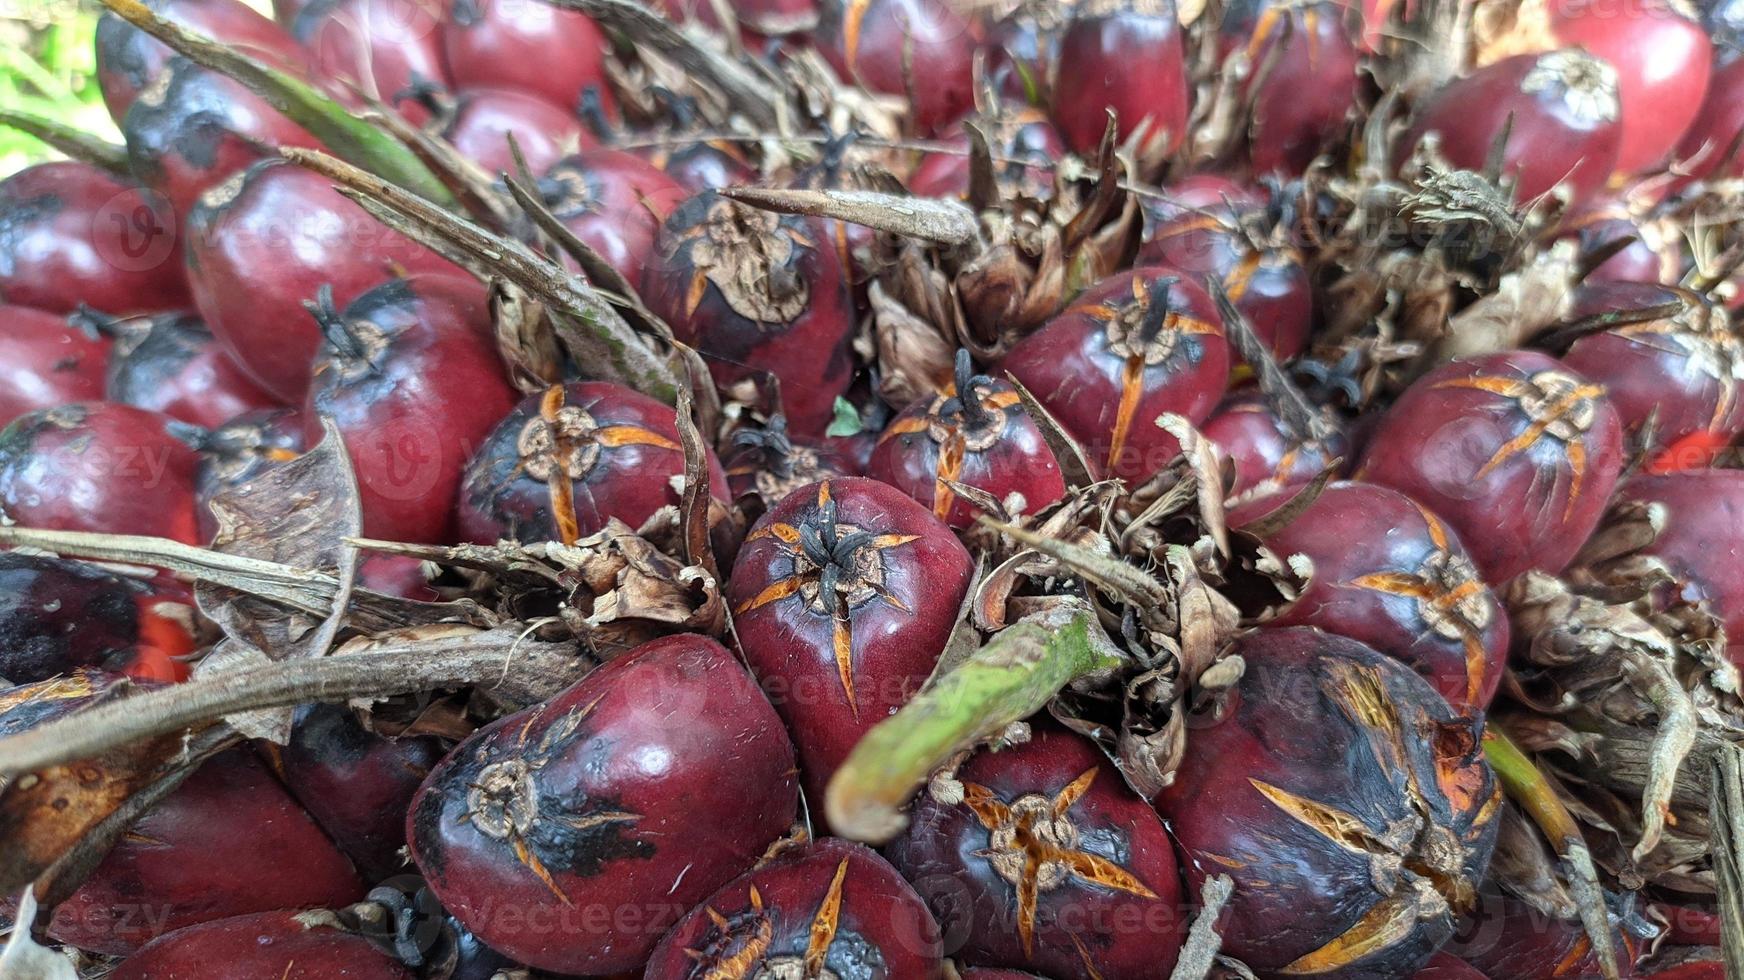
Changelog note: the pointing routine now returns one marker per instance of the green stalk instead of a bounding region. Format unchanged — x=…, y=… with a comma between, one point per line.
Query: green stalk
x=74, y=142
x=1009, y=679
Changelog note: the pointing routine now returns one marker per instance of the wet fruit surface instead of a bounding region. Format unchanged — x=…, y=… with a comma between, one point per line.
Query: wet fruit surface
x=829, y=908
x=286, y=945
x=843, y=595
x=46, y=361
x=1353, y=852
x=1049, y=863
x=603, y=815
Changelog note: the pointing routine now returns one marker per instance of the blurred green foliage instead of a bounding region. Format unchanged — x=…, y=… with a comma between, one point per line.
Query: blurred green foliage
x=48, y=68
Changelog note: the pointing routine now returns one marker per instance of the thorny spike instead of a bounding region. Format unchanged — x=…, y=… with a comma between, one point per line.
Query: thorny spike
x=333, y=326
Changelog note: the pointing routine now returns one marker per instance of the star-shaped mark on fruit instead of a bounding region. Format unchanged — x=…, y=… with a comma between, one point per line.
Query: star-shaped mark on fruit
x=563, y=443
x=1556, y=405
x=969, y=417
x=749, y=953
x=1144, y=332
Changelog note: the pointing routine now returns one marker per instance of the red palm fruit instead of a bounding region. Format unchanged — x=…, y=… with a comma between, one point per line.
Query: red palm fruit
x=356, y=784
x=46, y=361
x=387, y=50
x=986, y=973
x=615, y=202
x=1514, y=450
x=288, y=945
x=240, y=450
x=1021, y=50
x=828, y=906
x=767, y=462
x=57, y=616
x=387, y=377
x=1688, y=925
x=1138, y=345
x=1266, y=456
x=1708, y=150
x=1446, y=966
x=1647, y=258
x=1048, y=863
x=396, y=575
x=1354, y=851
x=1024, y=147
x=194, y=129
x=172, y=364
x=922, y=50
x=1662, y=59
x=609, y=811
x=281, y=217
x=71, y=235
x=1680, y=370
x=1702, y=541
x=757, y=293
x=229, y=841
x=98, y=466
x=483, y=118
x=1566, y=127
x=1305, y=64
x=1507, y=937
x=979, y=435
x=1126, y=57
x=129, y=60
x=843, y=595
x=704, y=166
x=515, y=44
x=569, y=460
x=1391, y=574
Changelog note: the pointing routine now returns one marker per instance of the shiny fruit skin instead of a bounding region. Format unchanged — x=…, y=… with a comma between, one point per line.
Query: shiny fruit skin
x=1517, y=453
x=394, y=360
x=172, y=364
x=277, y=945
x=545, y=132
x=195, y=128
x=1265, y=455
x=757, y=293
x=1260, y=802
x=1702, y=542
x=382, y=49
x=1682, y=371
x=1508, y=938
x=1647, y=257
x=1390, y=574
x=625, y=469
x=281, y=217
x=1566, y=126
x=46, y=361
x=615, y=202
x=529, y=46
x=1130, y=60
x=356, y=784
x=1306, y=78
x=58, y=616
x=922, y=50
x=828, y=901
x=216, y=847
x=838, y=661
x=1094, y=370
x=608, y=812
x=72, y=235
x=1706, y=151
x=240, y=450
x=98, y=466
x=699, y=167
x=1048, y=864
x=995, y=447
x=128, y=59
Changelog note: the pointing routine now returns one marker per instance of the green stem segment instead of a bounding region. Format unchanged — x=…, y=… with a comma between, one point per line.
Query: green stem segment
x=75, y=143
x=1009, y=679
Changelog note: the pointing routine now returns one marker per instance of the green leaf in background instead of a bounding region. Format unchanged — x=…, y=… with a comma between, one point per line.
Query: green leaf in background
x=48, y=68
x=847, y=421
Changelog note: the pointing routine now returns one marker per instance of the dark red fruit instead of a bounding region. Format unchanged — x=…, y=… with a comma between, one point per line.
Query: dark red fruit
x=1138, y=345
x=195, y=128
x=397, y=575
x=979, y=435
x=757, y=293
x=615, y=202
x=71, y=235
x=280, y=945
x=922, y=50
x=1647, y=258
x=394, y=360
x=1681, y=370
x=585, y=452
x=1024, y=146
x=1566, y=121
x=529, y=46
x=239, y=451
x=483, y=118
x=1514, y=450
x=227, y=842
x=1355, y=849
x=608, y=812
x=1264, y=454
x=46, y=361
x=1304, y=79
x=1709, y=149
x=355, y=783
x=704, y=165
x=843, y=595
x=172, y=364
x=1702, y=541
x=57, y=616
x=1445, y=966
x=1507, y=937
x=767, y=462
x=827, y=907
x=387, y=50
x=1127, y=57
x=129, y=60
x=261, y=246
x=1049, y=863
x=1391, y=574
x=98, y=466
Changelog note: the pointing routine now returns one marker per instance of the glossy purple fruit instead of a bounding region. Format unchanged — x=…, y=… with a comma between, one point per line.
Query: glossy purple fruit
x=1265, y=455
x=483, y=118
x=172, y=364
x=1128, y=58
x=46, y=361
x=290, y=945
